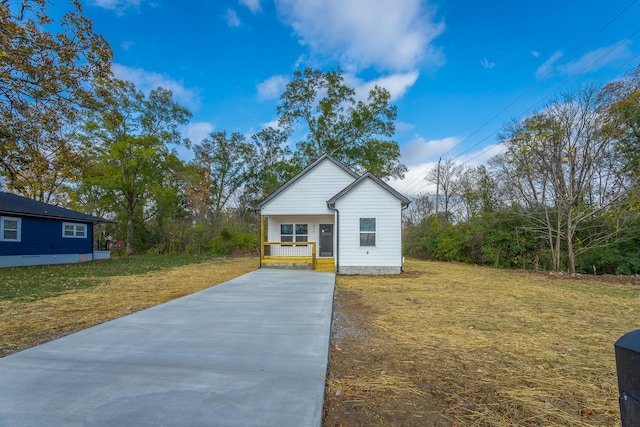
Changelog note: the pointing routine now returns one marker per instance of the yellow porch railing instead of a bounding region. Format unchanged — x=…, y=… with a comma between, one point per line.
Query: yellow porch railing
x=289, y=253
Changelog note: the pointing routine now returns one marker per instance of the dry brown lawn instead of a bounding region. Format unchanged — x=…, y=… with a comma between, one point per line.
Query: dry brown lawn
x=457, y=345
x=24, y=324
x=443, y=344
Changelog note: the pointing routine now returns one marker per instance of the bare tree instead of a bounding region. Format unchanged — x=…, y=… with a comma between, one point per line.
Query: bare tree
x=420, y=209
x=560, y=164
x=446, y=176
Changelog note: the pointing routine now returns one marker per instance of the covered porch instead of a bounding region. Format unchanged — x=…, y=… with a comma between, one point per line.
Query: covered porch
x=300, y=241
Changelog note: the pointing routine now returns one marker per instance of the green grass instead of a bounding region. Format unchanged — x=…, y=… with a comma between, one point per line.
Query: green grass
x=38, y=282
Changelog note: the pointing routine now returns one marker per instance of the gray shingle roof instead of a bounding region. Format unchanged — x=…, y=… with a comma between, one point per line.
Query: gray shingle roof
x=12, y=204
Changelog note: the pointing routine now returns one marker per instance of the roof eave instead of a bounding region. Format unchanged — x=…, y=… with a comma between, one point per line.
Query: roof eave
x=403, y=200
x=300, y=174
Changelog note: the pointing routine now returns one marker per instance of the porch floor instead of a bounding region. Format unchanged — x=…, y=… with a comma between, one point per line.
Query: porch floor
x=297, y=263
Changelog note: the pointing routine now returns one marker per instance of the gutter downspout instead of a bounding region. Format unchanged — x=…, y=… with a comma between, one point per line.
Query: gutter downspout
x=337, y=255
x=401, y=242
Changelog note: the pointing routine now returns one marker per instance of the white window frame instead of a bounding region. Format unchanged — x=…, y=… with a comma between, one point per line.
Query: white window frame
x=294, y=236
x=76, y=227
x=19, y=229
x=369, y=232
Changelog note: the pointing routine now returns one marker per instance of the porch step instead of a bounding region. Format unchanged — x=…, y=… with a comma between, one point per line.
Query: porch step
x=325, y=264
x=289, y=266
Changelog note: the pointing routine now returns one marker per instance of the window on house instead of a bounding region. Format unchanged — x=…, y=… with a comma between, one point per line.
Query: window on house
x=10, y=229
x=302, y=232
x=367, y=231
x=73, y=230
x=294, y=232
x=286, y=232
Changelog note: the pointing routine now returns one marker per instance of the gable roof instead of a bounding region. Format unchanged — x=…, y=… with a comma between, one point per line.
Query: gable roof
x=405, y=202
x=12, y=204
x=303, y=173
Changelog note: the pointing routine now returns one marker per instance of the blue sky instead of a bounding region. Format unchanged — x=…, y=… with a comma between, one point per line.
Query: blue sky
x=458, y=70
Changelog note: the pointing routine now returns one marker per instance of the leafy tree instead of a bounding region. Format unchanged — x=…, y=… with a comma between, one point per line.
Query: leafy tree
x=45, y=167
x=45, y=71
x=358, y=133
x=133, y=162
x=272, y=165
x=621, y=110
x=223, y=165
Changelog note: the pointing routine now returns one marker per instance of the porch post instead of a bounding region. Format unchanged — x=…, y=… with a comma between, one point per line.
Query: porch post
x=313, y=255
x=261, y=238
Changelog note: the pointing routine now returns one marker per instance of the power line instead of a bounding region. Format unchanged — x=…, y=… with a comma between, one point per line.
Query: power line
x=421, y=177
x=555, y=91
x=521, y=114
x=547, y=74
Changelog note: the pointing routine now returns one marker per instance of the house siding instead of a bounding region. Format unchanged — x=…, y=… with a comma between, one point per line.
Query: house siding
x=309, y=194
x=369, y=200
x=313, y=221
x=43, y=236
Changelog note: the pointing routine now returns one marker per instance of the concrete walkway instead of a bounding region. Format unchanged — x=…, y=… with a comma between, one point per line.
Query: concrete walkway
x=249, y=352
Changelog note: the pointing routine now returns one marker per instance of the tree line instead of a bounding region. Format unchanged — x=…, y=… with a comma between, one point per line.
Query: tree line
x=563, y=195
x=74, y=135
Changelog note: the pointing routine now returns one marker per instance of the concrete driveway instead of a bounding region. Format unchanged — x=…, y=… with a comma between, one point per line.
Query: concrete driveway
x=249, y=352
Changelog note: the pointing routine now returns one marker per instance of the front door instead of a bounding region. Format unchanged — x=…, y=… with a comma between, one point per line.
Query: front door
x=326, y=240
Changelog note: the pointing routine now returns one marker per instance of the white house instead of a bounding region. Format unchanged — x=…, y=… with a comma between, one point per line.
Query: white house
x=330, y=218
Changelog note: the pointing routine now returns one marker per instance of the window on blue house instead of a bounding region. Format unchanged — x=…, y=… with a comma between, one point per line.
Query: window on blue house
x=10, y=229
x=367, y=231
x=74, y=230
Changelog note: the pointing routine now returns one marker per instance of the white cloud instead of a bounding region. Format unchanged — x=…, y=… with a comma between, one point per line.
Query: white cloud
x=272, y=87
x=414, y=181
x=389, y=35
x=486, y=64
x=253, y=5
x=197, y=131
x=591, y=61
x=419, y=150
x=396, y=84
x=548, y=65
x=232, y=18
x=596, y=59
x=535, y=53
x=118, y=6
x=148, y=80
x=481, y=156
x=272, y=124
x=404, y=126
x=126, y=44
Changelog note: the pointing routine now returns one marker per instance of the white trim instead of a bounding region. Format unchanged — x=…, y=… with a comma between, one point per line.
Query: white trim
x=76, y=228
x=294, y=232
x=27, y=260
x=374, y=232
x=19, y=228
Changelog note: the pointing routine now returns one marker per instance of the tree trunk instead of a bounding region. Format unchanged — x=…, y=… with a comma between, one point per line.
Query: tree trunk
x=570, y=252
x=130, y=226
x=556, y=261
x=130, y=236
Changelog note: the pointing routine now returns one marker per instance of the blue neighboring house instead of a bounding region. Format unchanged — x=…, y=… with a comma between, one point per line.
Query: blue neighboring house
x=34, y=233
